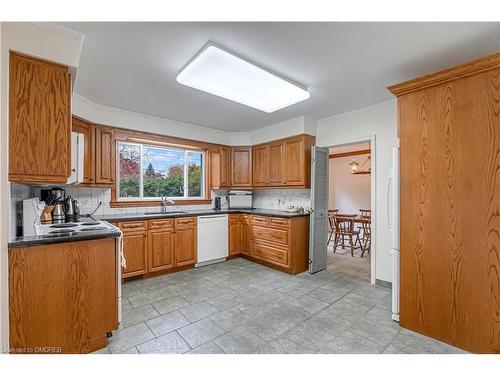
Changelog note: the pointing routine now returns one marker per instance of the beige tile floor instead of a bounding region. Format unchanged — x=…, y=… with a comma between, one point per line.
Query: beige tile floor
x=242, y=307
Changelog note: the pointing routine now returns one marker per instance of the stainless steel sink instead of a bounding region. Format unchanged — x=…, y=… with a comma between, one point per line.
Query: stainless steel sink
x=165, y=213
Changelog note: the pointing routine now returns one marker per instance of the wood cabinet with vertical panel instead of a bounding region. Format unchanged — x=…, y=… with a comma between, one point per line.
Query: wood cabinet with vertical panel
x=39, y=120
x=234, y=234
x=449, y=131
x=283, y=163
x=87, y=129
x=185, y=246
x=105, y=149
x=161, y=246
x=63, y=297
x=225, y=166
x=135, y=247
x=260, y=165
x=241, y=166
x=246, y=234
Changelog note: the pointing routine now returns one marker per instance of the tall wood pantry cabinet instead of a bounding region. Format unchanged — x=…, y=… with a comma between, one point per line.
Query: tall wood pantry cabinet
x=449, y=130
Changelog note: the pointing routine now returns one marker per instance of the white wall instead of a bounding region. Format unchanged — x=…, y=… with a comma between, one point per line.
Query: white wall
x=299, y=125
x=43, y=42
x=380, y=121
x=94, y=112
x=346, y=191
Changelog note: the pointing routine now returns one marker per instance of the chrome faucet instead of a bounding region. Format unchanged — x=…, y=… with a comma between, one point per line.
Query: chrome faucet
x=166, y=202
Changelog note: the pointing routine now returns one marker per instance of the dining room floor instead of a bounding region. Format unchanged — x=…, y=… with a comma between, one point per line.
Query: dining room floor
x=342, y=261
x=241, y=307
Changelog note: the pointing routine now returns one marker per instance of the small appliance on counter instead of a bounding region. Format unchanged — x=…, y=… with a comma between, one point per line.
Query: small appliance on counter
x=32, y=211
x=72, y=208
x=240, y=198
x=217, y=203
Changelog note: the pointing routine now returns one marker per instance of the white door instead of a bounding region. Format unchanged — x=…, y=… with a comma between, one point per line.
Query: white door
x=319, y=203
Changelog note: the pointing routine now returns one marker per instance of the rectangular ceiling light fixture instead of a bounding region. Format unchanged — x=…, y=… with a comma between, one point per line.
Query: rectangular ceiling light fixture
x=223, y=74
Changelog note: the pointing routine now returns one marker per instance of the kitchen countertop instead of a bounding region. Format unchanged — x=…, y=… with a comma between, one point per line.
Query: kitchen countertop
x=28, y=241
x=85, y=236
x=253, y=211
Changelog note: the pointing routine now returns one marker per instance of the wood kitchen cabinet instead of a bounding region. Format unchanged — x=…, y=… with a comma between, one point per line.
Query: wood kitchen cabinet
x=39, y=120
x=158, y=245
x=99, y=153
x=105, y=149
x=135, y=247
x=246, y=234
x=283, y=163
x=220, y=168
x=161, y=244
x=234, y=234
x=241, y=166
x=449, y=135
x=63, y=296
x=87, y=129
x=225, y=166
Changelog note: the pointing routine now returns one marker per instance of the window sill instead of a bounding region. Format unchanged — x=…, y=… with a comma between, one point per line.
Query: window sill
x=152, y=203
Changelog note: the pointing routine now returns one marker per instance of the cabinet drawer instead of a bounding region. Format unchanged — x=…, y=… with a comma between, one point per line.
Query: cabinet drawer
x=270, y=254
x=259, y=219
x=279, y=236
x=163, y=223
x=279, y=222
x=129, y=226
x=234, y=218
x=245, y=218
x=185, y=221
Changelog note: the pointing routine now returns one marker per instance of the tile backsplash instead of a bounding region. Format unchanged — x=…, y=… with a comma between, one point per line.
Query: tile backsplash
x=279, y=199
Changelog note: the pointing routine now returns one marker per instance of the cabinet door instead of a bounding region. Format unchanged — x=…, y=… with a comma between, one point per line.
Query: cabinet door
x=276, y=164
x=260, y=162
x=39, y=120
x=246, y=238
x=82, y=127
x=215, y=168
x=161, y=249
x=104, y=156
x=185, y=247
x=294, y=162
x=234, y=238
x=135, y=245
x=225, y=166
x=241, y=166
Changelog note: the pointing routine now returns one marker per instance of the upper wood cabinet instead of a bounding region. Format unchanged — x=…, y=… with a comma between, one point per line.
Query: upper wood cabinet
x=260, y=165
x=105, y=149
x=225, y=166
x=241, y=166
x=87, y=129
x=99, y=153
x=39, y=120
x=284, y=163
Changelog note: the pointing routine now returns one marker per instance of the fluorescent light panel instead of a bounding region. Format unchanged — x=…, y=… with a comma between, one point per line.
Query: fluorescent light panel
x=220, y=73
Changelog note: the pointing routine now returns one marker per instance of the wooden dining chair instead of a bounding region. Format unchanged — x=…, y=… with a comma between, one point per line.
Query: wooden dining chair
x=331, y=222
x=344, y=228
x=366, y=239
x=365, y=212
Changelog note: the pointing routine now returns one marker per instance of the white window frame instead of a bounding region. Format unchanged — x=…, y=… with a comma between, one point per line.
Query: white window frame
x=141, y=172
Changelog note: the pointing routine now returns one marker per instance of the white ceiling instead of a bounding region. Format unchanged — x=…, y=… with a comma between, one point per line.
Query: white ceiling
x=345, y=65
x=349, y=148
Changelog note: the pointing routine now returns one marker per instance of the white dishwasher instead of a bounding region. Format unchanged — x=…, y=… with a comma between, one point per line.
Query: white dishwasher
x=212, y=239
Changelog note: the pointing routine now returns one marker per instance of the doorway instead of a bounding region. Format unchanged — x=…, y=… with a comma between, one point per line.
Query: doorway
x=350, y=244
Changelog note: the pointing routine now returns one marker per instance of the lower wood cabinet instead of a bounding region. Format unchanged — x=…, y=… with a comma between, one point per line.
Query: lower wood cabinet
x=63, y=297
x=158, y=245
x=280, y=242
x=246, y=234
x=235, y=234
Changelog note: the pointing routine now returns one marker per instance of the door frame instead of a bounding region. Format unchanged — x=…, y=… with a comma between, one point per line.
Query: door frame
x=373, y=194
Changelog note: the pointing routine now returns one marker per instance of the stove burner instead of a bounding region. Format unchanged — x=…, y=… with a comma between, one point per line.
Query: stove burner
x=91, y=223
x=67, y=225
x=62, y=231
x=92, y=229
